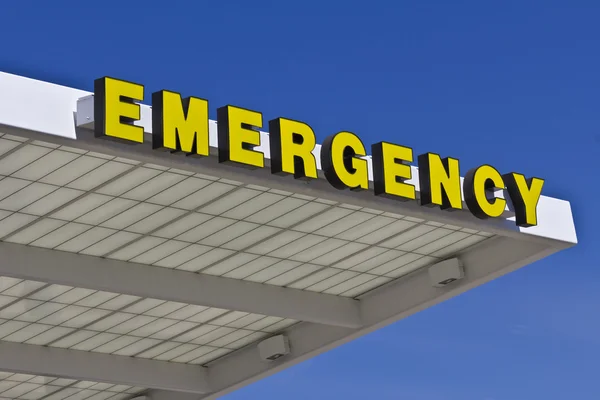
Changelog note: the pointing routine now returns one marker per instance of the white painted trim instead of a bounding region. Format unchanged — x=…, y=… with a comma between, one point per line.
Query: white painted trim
x=58, y=267
x=47, y=112
x=98, y=367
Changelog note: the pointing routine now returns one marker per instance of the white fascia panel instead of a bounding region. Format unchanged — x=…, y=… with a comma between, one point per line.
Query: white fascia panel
x=49, y=117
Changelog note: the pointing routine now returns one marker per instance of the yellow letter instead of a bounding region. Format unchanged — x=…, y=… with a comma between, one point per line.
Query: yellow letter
x=525, y=194
x=440, y=181
x=476, y=185
x=179, y=125
x=341, y=165
x=292, y=143
x=238, y=135
x=391, y=169
x=115, y=110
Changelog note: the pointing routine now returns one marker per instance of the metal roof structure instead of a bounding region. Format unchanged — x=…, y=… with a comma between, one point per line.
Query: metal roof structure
x=128, y=272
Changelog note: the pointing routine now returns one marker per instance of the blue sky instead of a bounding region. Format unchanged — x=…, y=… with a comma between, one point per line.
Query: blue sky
x=515, y=84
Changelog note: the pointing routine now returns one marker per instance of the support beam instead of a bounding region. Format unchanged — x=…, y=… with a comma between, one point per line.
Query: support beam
x=97, y=367
x=383, y=307
x=19, y=261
